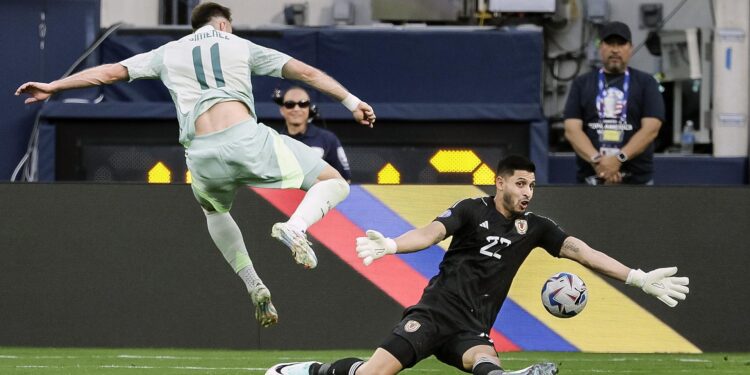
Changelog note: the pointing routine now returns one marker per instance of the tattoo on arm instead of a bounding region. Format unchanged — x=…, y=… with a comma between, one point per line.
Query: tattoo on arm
x=570, y=246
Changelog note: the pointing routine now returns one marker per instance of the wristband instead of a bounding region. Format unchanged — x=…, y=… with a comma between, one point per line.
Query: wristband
x=390, y=245
x=351, y=102
x=636, y=278
x=596, y=158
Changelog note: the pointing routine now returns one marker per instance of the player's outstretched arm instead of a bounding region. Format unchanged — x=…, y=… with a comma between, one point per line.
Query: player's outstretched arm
x=297, y=70
x=659, y=283
x=375, y=245
x=99, y=75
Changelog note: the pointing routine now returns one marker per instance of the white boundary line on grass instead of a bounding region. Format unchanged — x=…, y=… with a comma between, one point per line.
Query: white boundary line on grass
x=172, y=368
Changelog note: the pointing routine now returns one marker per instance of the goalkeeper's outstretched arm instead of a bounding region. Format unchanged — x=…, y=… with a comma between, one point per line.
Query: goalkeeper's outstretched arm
x=375, y=245
x=420, y=238
x=581, y=252
x=660, y=283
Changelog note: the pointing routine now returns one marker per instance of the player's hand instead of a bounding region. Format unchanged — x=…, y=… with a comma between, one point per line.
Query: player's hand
x=39, y=91
x=364, y=114
x=661, y=284
x=374, y=246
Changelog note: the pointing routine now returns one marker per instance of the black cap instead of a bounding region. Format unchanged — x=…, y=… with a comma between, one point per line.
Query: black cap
x=615, y=29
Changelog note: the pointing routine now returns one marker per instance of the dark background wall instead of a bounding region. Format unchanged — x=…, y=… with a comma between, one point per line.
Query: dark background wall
x=133, y=265
x=703, y=231
x=42, y=39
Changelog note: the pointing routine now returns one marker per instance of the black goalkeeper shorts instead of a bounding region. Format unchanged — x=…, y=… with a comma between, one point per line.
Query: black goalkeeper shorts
x=420, y=335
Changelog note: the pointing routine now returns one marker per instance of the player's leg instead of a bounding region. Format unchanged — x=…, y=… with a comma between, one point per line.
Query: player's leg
x=381, y=363
x=471, y=352
x=328, y=190
x=228, y=238
x=482, y=359
x=325, y=189
x=214, y=190
x=410, y=341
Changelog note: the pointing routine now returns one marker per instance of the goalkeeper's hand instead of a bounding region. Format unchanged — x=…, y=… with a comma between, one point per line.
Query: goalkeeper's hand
x=374, y=246
x=661, y=284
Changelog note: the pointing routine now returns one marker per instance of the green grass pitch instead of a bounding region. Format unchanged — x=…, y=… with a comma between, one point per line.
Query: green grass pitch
x=58, y=361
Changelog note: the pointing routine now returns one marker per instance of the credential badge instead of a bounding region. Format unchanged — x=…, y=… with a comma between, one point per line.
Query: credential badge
x=412, y=326
x=521, y=226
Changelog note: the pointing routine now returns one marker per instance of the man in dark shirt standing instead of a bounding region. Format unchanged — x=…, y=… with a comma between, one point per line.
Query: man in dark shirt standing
x=297, y=110
x=613, y=115
x=492, y=236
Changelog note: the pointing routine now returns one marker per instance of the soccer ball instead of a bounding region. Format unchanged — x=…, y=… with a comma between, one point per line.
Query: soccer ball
x=564, y=295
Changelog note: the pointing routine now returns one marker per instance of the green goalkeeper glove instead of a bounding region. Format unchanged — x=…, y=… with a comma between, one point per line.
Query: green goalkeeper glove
x=661, y=284
x=374, y=246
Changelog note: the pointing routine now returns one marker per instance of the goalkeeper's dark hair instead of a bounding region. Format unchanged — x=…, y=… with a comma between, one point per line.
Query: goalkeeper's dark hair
x=203, y=13
x=511, y=163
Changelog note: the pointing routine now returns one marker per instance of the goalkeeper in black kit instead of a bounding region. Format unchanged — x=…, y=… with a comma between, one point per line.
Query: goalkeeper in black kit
x=492, y=236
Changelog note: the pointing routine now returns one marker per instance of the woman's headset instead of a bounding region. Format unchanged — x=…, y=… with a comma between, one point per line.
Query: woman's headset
x=278, y=97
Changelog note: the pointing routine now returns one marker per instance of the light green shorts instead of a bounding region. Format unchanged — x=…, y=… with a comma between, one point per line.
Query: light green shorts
x=249, y=154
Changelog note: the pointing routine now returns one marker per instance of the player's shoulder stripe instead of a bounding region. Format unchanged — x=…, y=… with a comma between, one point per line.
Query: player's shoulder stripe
x=483, y=200
x=531, y=214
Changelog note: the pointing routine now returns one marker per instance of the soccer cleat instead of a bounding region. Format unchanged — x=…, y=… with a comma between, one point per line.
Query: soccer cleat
x=296, y=241
x=545, y=368
x=293, y=368
x=264, y=310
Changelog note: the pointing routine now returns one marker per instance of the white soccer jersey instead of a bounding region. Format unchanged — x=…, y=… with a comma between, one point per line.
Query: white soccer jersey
x=204, y=68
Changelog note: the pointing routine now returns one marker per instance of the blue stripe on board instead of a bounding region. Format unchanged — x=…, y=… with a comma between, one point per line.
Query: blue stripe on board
x=520, y=327
x=527, y=332
x=367, y=212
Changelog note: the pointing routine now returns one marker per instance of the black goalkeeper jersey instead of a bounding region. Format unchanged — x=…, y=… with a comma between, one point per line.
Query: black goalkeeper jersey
x=485, y=253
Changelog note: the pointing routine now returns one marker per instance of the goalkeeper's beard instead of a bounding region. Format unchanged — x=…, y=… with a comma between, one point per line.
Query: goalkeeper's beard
x=510, y=206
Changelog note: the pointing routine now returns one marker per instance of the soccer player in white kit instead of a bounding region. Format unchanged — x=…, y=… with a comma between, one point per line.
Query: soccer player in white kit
x=208, y=76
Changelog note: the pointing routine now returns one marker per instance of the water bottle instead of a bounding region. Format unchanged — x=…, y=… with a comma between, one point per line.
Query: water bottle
x=688, y=138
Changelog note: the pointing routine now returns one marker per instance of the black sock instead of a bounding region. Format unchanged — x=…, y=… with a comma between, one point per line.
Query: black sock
x=340, y=367
x=486, y=368
x=314, y=368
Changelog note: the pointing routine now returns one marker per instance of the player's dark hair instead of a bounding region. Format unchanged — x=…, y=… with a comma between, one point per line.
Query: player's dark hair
x=203, y=13
x=509, y=164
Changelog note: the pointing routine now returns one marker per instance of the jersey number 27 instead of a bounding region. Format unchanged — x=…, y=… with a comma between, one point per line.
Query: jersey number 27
x=493, y=240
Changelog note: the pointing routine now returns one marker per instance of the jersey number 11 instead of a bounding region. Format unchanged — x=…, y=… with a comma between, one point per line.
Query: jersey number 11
x=215, y=64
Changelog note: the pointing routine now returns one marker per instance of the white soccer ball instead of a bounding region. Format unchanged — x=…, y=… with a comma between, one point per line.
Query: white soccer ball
x=564, y=295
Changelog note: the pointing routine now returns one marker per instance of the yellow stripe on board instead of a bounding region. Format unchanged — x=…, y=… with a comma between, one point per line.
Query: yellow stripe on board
x=420, y=205
x=611, y=321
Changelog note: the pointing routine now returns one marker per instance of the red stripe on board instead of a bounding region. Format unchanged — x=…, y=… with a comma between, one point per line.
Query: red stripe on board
x=390, y=274
x=337, y=233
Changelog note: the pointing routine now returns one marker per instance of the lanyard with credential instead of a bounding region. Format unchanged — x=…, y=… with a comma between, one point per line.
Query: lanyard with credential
x=603, y=93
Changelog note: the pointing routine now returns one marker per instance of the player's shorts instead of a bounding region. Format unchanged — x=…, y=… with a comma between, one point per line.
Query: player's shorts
x=249, y=154
x=421, y=334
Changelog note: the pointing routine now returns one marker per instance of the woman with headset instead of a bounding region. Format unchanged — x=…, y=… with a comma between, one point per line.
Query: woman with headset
x=299, y=113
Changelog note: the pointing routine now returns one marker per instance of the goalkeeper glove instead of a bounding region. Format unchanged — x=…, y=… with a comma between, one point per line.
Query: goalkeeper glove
x=374, y=246
x=661, y=284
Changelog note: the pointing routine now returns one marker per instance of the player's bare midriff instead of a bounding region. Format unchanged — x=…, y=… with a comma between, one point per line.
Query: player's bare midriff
x=221, y=116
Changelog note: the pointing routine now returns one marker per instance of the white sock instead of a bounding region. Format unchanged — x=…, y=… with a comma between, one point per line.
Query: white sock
x=321, y=198
x=250, y=277
x=228, y=238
